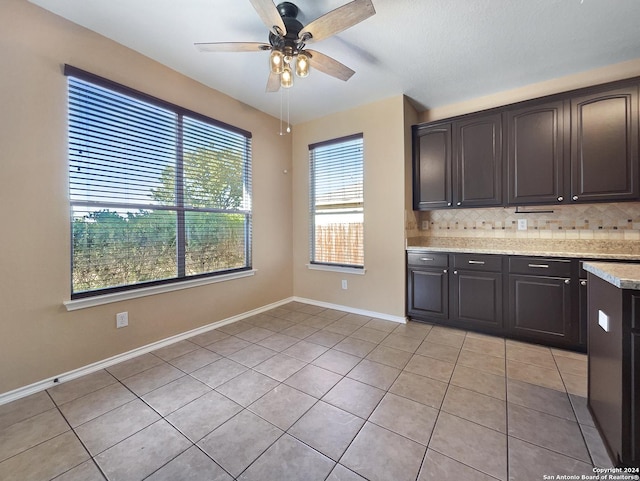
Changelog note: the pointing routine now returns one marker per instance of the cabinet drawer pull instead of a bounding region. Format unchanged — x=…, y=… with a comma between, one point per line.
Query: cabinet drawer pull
x=426, y=258
x=541, y=266
x=477, y=262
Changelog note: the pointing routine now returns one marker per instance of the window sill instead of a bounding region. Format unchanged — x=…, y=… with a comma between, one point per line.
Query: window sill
x=150, y=291
x=345, y=270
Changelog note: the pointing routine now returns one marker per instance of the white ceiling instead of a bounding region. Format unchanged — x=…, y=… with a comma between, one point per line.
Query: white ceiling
x=437, y=52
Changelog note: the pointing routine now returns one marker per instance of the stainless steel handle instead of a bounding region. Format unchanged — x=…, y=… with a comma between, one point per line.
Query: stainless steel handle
x=445, y=271
x=541, y=266
x=455, y=272
x=459, y=203
x=560, y=199
x=449, y=204
x=426, y=258
x=583, y=283
x=575, y=197
x=567, y=281
x=477, y=262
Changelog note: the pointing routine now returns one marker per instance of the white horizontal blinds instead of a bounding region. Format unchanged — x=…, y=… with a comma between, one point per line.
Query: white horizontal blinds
x=337, y=202
x=217, y=198
x=157, y=194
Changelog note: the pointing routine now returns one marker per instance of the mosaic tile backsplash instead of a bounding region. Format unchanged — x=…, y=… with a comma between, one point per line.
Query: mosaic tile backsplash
x=615, y=221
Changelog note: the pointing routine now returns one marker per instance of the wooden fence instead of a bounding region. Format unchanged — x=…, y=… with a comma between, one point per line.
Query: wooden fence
x=340, y=243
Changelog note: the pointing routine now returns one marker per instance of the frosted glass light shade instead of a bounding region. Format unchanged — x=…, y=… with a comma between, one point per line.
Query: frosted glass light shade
x=286, y=79
x=276, y=61
x=302, y=65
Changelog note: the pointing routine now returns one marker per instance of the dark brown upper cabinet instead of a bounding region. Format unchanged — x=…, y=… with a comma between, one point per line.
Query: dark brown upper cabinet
x=478, y=166
x=579, y=146
x=536, y=150
x=432, y=166
x=604, y=145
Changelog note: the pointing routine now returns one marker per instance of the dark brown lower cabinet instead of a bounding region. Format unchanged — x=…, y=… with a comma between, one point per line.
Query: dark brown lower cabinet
x=428, y=292
x=527, y=298
x=476, y=298
x=614, y=368
x=540, y=308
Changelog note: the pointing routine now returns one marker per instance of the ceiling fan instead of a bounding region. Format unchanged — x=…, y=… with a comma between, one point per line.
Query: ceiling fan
x=288, y=39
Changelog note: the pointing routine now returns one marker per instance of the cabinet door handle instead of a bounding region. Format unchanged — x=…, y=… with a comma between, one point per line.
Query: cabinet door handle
x=560, y=199
x=541, y=266
x=445, y=271
x=426, y=258
x=455, y=272
x=575, y=197
x=583, y=283
x=477, y=262
x=448, y=204
x=567, y=281
x=459, y=203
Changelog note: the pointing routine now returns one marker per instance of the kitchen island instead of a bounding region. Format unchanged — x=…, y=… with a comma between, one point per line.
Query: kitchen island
x=614, y=357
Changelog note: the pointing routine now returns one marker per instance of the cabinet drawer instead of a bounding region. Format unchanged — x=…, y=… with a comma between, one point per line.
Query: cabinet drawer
x=427, y=259
x=540, y=266
x=482, y=262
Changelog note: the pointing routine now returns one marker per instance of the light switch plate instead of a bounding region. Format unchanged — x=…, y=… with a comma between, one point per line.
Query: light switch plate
x=603, y=321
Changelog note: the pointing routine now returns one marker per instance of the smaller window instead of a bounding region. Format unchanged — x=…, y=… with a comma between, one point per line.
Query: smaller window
x=337, y=202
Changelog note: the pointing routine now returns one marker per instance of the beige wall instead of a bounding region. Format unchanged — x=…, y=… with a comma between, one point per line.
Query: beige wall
x=381, y=288
x=584, y=79
x=38, y=337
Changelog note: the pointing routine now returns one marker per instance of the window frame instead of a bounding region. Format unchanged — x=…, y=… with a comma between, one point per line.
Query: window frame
x=321, y=265
x=178, y=207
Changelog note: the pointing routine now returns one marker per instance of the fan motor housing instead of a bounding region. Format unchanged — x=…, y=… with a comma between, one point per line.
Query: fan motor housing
x=288, y=11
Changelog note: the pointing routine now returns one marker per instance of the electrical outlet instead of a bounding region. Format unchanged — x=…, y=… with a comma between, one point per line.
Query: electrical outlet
x=122, y=319
x=425, y=225
x=344, y=284
x=522, y=224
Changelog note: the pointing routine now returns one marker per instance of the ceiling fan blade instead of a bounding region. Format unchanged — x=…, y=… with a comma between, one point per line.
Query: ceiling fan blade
x=330, y=66
x=232, y=46
x=270, y=16
x=338, y=20
x=273, y=83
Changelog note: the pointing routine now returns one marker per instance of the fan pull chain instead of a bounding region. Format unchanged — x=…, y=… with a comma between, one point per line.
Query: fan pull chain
x=288, y=122
x=281, y=112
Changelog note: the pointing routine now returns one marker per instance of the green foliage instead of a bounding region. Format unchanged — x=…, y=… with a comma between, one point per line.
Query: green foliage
x=112, y=249
x=212, y=179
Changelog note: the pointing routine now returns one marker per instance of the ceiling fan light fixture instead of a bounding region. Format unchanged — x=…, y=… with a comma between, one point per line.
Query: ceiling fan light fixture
x=286, y=79
x=302, y=65
x=276, y=61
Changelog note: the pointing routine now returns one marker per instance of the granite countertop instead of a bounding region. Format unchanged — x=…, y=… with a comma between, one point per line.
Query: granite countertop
x=583, y=249
x=624, y=276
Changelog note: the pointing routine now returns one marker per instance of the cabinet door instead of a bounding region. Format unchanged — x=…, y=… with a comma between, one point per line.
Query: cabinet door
x=428, y=292
x=476, y=298
x=540, y=308
x=478, y=166
x=604, y=146
x=535, y=154
x=432, y=167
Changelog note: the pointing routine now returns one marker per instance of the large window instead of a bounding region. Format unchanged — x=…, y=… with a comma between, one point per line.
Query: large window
x=158, y=194
x=337, y=202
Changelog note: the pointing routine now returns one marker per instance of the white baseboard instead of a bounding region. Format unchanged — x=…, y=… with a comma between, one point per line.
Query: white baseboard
x=353, y=310
x=97, y=366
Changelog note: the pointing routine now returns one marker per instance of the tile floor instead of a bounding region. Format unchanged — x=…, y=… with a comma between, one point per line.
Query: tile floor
x=306, y=393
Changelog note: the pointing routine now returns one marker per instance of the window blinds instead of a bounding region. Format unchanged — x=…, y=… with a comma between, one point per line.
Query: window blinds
x=337, y=202
x=157, y=193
